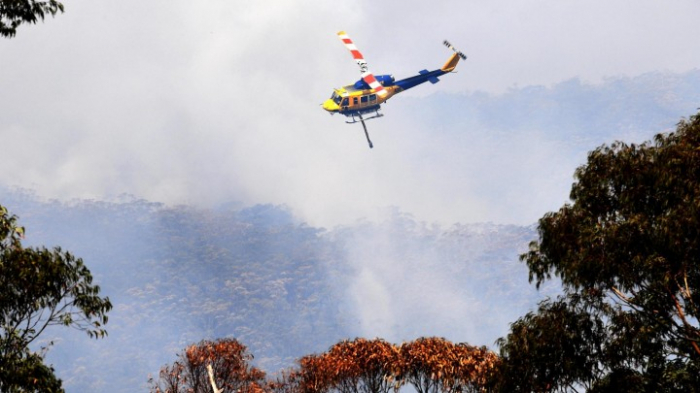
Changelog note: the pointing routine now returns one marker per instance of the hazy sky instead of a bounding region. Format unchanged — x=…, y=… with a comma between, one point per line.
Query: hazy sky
x=217, y=101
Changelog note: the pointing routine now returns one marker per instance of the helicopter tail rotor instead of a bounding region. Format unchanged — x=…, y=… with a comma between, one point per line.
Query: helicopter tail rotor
x=460, y=54
x=451, y=63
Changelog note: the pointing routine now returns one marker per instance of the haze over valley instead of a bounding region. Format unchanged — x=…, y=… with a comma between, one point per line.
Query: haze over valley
x=286, y=288
x=179, y=148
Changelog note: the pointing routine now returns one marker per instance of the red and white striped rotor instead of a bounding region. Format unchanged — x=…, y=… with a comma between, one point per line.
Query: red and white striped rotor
x=367, y=75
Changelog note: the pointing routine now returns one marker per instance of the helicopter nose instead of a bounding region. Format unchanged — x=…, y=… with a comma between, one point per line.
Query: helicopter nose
x=330, y=106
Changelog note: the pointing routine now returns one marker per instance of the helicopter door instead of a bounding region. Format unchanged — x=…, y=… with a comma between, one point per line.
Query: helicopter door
x=364, y=100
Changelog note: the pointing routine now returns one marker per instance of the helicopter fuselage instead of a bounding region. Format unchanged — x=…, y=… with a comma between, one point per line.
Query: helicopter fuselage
x=353, y=99
x=366, y=96
x=359, y=98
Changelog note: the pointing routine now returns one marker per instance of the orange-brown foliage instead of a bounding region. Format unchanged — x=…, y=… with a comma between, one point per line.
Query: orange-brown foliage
x=430, y=365
x=437, y=365
x=229, y=361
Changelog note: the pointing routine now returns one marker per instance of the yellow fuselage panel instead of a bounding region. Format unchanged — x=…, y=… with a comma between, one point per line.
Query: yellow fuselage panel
x=353, y=99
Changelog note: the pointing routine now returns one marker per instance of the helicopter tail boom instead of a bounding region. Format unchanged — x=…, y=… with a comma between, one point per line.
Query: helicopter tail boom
x=432, y=79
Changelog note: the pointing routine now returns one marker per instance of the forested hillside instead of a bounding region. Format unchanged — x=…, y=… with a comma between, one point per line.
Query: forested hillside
x=177, y=275
x=573, y=110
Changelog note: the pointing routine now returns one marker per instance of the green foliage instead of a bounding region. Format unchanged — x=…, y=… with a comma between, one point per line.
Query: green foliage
x=40, y=288
x=553, y=349
x=627, y=252
x=15, y=12
x=27, y=373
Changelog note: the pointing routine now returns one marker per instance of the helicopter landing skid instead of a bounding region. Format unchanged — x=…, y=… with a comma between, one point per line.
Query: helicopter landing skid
x=375, y=114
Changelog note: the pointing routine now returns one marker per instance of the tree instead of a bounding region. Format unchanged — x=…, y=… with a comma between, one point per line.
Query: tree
x=357, y=366
x=433, y=365
x=40, y=288
x=229, y=361
x=15, y=12
x=363, y=366
x=556, y=348
x=289, y=381
x=628, y=250
x=422, y=363
x=316, y=374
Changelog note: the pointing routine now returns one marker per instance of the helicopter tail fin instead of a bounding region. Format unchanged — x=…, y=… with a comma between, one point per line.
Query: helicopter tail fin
x=451, y=63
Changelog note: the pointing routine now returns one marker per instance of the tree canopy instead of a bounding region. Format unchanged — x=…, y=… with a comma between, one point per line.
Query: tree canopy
x=15, y=12
x=429, y=365
x=627, y=252
x=40, y=288
x=349, y=366
x=229, y=361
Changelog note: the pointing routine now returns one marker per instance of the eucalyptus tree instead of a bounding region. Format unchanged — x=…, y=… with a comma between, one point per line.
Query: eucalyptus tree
x=40, y=288
x=16, y=12
x=627, y=253
x=228, y=360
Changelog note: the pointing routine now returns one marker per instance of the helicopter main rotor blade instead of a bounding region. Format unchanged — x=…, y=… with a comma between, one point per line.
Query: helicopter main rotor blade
x=367, y=75
x=356, y=55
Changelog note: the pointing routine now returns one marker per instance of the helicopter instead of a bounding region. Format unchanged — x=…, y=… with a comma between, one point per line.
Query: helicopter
x=368, y=94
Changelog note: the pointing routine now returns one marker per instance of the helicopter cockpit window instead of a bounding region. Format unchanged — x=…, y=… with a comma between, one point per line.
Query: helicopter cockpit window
x=336, y=98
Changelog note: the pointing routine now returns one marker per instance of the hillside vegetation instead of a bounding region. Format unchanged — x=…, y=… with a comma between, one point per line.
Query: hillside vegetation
x=177, y=275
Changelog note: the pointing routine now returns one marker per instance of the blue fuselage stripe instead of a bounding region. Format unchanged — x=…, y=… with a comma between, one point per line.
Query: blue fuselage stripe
x=410, y=82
